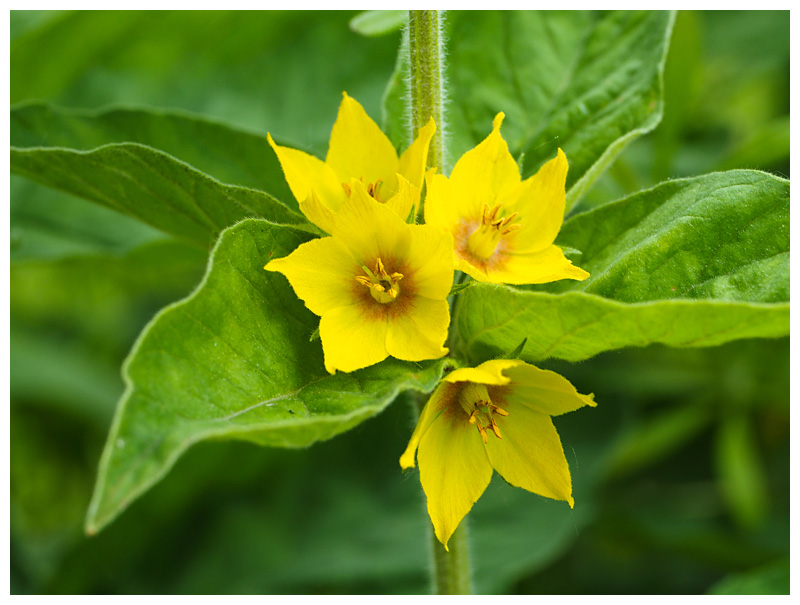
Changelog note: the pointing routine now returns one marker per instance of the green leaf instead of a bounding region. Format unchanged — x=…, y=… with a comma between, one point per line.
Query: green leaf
x=234, y=361
x=722, y=236
x=232, y=156
x=770, y=579
x=588, y=83
x=150, y=185
x=575, y=326
x=741, y=472
x=378, y=23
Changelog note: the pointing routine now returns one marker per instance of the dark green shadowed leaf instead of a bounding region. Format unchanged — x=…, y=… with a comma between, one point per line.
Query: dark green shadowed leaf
x=234, y=361
x=232, y=156
x=695, y=262
x=588, y=83
x=149, y=185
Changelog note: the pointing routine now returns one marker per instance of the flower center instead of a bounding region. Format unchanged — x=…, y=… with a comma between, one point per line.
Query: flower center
x=382, y=286
x=372, y=188
x=484, y=240
x=475, y=400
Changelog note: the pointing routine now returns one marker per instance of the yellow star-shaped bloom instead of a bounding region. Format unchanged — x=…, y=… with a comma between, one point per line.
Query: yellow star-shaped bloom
x=495, y=416
x=503, y=228
x=379, y=285
x=358, y=149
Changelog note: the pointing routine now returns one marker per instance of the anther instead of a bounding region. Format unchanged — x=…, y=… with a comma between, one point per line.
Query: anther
x=496, y=429
x=483, y=433
x=498, y=410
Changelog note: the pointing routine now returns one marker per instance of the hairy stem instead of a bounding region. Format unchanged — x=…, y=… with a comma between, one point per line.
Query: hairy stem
x=426, y=54
x=426, y=57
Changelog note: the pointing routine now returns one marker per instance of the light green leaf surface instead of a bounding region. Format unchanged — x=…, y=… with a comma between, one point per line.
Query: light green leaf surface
x=234, y=361
x=378, y=23
x=150, y=185
x=721, y=236
x=588, y=83
x=232, y=156
x=693, y=262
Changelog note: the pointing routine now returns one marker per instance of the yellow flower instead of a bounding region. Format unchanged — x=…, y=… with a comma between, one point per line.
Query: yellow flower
x=494, y=416
x=357, y=149
x=380, y=285
x=503, y=227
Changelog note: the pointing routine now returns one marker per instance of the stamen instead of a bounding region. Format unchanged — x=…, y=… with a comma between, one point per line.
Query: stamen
x=347, y=189
x=383, y=287
x=475, y=400
x=496, y=429
x=483, y=241
x=483, y=433
x=498, y=410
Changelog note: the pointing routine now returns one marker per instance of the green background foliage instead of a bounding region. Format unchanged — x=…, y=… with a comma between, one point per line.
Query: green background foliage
x=131, y=136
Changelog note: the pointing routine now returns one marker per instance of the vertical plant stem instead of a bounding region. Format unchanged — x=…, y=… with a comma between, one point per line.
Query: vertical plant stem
x=426, y=54
x=427, y=79
x=452, y=568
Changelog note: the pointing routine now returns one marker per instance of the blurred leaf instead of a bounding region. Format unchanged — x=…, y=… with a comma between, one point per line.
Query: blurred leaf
x=722, y=236
x=47, y=57
x=378, y=23
x=231, y=156
x=740, y=470
x=654, y=440
x=63, y=375
x=282, y=71
x=773, y=578
x=49, y=488
x=575, y=326
x=558, y=80
x=234, y=361
x=95, y=295
x=766, y=146
x=50, y=224
x=150, y=185
x=683, y=79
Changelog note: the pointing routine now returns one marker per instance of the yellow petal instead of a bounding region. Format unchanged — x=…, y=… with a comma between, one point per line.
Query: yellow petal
x=541, y=205
x=358, y=148
x=317, y=212
x=530, y=454
x=430, y=261
x=322, y=273
x=539, y=267
x=492, y=372
x=353, y=337
x=454, y=470
x=441, y=209
x=406, y=198
x=418, y=329
x=486, y=174
x=544, y=391
x=371, y=230
x=442, y=397
x=304, y=172
x=415, y=158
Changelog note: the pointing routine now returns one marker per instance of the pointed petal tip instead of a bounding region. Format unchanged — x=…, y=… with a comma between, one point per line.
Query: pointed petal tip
x=498, y=121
